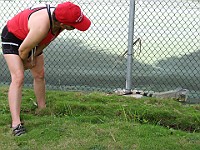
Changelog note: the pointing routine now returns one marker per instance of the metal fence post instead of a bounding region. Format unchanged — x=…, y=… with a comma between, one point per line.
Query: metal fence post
x=130, y=47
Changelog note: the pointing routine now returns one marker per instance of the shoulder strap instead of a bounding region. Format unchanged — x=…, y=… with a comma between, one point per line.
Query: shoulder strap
x=40, y=7
x=49, y=14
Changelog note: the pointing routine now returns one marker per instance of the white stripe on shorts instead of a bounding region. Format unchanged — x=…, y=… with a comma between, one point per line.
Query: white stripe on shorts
x=10, y=43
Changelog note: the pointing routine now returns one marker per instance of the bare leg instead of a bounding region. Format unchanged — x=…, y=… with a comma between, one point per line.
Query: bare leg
x=39, y=81
x=15, y=90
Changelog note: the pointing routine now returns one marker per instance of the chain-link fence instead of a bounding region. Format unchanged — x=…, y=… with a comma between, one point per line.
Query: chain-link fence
x=97, y=60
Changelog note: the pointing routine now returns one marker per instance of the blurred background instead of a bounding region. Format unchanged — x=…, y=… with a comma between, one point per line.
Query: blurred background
x=94, y=60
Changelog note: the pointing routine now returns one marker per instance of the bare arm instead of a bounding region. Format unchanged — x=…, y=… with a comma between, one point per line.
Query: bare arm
x=31, y=61
x=38, y=30
x=40, y=48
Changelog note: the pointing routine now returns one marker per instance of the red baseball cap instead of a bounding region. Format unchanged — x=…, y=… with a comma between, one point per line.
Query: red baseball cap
x=71, y=14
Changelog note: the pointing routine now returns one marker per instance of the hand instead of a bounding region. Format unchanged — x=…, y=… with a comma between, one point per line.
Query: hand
x=29, y=63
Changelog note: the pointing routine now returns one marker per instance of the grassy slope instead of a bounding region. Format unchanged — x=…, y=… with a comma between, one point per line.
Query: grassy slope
x=97, y=121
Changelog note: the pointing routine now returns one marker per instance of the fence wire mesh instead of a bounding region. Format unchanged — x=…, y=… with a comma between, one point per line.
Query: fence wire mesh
x=169, y=31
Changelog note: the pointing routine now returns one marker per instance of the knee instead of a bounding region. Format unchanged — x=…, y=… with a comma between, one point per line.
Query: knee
x=39, y=75
x=18, y=78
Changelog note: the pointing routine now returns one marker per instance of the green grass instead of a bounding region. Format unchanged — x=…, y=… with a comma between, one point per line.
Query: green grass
x=100, y=121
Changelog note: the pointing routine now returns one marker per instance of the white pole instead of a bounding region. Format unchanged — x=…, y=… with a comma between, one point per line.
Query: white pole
x=130, y=47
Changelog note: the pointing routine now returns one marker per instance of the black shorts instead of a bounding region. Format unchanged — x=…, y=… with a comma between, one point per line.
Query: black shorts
x=10, y=43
